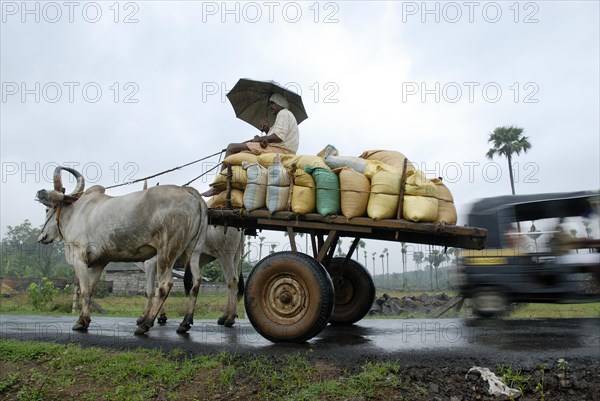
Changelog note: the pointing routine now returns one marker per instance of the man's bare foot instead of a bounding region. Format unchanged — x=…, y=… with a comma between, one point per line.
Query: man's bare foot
x=211, y=192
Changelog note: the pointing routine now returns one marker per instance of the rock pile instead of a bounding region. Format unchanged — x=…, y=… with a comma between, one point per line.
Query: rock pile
x=407, y=306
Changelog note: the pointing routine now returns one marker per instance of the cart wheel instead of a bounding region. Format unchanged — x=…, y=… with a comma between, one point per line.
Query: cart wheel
x=289, y=297
x=489, y=302
x=354, y=291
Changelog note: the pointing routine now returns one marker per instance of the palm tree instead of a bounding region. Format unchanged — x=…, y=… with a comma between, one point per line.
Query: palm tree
x=373, y=255
x=404, y=266
x=362, y=244
x=418, y=257
x=508, y=141
x=261, y=239
x=339, y=248
x=387, y=257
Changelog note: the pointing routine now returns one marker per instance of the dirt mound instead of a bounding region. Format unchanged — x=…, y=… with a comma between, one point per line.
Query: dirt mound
x=407, y=306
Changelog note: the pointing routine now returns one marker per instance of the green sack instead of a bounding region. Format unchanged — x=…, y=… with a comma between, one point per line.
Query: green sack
x=328, y=190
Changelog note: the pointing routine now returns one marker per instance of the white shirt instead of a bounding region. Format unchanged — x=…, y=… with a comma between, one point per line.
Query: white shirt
x=286, y=128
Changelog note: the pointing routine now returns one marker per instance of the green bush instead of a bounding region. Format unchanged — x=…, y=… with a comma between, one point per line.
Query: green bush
x=41, y=296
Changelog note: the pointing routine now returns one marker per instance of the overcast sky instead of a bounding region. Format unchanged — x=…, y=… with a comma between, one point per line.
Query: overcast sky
x=125, y=90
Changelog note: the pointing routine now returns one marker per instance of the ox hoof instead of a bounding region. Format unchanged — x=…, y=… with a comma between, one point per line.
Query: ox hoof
x=142, y=329
x=183, y=328
x=140, y=320
x=80, y=327
x=162, y=320
x=225, y=321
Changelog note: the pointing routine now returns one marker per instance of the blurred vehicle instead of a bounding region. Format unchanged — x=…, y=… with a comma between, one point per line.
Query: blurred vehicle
x=552, y=265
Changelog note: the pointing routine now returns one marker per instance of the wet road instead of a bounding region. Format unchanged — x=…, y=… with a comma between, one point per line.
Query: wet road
x=422, y=340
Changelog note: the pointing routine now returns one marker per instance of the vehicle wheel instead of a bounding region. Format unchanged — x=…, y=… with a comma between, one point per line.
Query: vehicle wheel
x=489, y=303
x=289, y=297
x=354, y=291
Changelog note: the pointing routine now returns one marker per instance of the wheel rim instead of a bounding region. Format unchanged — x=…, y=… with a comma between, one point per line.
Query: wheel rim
x=289, y=297
x=490, y=302
x=354, y=291
x=285, y=298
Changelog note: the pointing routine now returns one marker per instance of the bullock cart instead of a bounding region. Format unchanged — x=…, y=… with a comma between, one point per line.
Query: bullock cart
x=291, y=296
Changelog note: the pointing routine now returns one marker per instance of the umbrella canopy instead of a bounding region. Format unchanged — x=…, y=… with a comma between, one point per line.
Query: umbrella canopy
x=250, y=101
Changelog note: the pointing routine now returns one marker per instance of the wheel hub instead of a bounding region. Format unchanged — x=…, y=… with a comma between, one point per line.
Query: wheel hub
x=286, y=299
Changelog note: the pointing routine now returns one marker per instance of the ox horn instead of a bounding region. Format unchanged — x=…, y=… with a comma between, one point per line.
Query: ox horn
x=58, y=180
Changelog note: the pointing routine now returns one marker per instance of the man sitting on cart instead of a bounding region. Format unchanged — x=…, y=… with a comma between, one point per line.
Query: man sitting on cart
x=282, y=137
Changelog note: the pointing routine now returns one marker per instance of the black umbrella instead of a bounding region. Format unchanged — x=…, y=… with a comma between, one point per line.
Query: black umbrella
x=250, y=101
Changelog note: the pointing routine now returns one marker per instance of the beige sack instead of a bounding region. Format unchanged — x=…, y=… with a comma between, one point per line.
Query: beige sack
x=238, y=179
x=418, y=185
x=237, y=159
x=383, y=206
x=354, y=192
x=220, y=200
x=443, y=191
x=420, y=208
x=389, y=157
x=267, y=160
x=304, y=193
x=446, y=208
x=385, y=195
x=374, y=166
x=446, y=212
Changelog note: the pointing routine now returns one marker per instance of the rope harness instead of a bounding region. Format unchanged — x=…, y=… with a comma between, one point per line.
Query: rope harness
x=73, y=198
x=220, y=153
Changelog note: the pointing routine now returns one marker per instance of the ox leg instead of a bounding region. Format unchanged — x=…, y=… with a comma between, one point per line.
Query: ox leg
x=231, y=274
x=149, y=268
x=196, y=270
x=164, y=270
x=88, y=278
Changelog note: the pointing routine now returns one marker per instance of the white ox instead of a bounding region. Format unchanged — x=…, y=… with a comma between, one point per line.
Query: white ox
x=222, y=243
x=166, y=222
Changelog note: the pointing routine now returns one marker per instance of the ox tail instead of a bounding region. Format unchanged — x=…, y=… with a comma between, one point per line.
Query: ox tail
x=188, y=279
x=240, y=292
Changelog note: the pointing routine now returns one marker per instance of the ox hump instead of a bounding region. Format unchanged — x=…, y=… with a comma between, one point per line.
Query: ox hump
x=96, y=189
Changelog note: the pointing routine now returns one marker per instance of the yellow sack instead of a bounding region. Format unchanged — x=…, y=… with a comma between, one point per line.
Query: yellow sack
x=389, y=157
x=220, y=200
x=385, y=182
x=443, y=191
x=418, y=185
x=374, y=166
x=354, y=192
x=382, y=206
x=237, y=159
x=446, y=212
x=238, y=179
x=385, y=195
x=420, y=208
x=267, y=160
x=446, y=208
x=304, y=193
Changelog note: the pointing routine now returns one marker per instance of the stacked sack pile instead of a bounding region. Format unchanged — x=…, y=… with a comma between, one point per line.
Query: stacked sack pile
x=330, y=184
